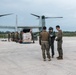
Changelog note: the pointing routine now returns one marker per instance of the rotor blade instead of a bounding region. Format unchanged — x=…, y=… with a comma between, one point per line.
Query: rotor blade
x=35, y=15
x=52, y=17
x=5, y=14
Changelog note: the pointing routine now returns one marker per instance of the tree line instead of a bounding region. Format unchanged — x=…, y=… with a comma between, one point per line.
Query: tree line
x=65, y=33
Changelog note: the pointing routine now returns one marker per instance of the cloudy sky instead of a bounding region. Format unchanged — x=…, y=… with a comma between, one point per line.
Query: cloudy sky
x=50, y=8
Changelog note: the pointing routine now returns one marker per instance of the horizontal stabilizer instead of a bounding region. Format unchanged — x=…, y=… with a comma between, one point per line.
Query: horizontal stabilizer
x=35, y=15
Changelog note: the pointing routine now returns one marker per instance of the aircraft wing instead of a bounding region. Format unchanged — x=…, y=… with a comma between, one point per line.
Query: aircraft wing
x=35, y=15
x=29, y=27
x=5, y=14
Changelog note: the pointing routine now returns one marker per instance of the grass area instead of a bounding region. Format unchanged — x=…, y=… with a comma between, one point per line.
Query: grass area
x=69, y=33
x=3, y=36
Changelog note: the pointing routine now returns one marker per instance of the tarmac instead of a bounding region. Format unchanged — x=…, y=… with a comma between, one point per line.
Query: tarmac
x=26, y=59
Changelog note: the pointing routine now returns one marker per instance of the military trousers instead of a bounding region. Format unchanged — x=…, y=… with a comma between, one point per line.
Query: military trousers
x=52, y=48
x=59, y=48
x=45, y=49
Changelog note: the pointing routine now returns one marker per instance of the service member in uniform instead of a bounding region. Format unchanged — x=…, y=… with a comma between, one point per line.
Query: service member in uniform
x=16, y=37
x=21, y=37
x=59, y=42
x=9, y=36
x=52, y=36
x=32, y=36
x=44, y=42
x=13, y=36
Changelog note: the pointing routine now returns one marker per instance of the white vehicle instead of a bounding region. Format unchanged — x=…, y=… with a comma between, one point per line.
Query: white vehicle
x=27, y=36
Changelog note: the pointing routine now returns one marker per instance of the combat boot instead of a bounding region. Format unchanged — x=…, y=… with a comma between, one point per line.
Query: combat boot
x=60, y=58
x=49, y=59
x=52, y=56
x=57, y=57
x=44, y=59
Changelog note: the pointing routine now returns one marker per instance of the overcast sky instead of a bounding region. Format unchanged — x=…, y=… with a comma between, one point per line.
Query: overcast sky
x=50, y=8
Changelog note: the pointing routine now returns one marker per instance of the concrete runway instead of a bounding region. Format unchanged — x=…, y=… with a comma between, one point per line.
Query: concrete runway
x=26, y=59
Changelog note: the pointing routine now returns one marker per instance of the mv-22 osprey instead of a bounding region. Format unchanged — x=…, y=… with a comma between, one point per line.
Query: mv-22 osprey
x=42, y=20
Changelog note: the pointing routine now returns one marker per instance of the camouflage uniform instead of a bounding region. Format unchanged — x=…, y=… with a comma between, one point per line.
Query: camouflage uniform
x=21, y=36
x=13, y=36
x=44, y=42
x=16, y=37
x=59, y=43
x=32, y=37
x=9, y=36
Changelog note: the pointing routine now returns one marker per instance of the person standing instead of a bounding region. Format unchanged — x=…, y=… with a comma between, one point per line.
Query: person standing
x=59, y=42
x=21, y=37
x=9, y=36
x=32, y=36
x=52, y=36
x=44, y=42
x=13, y=36
x=16, y=37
